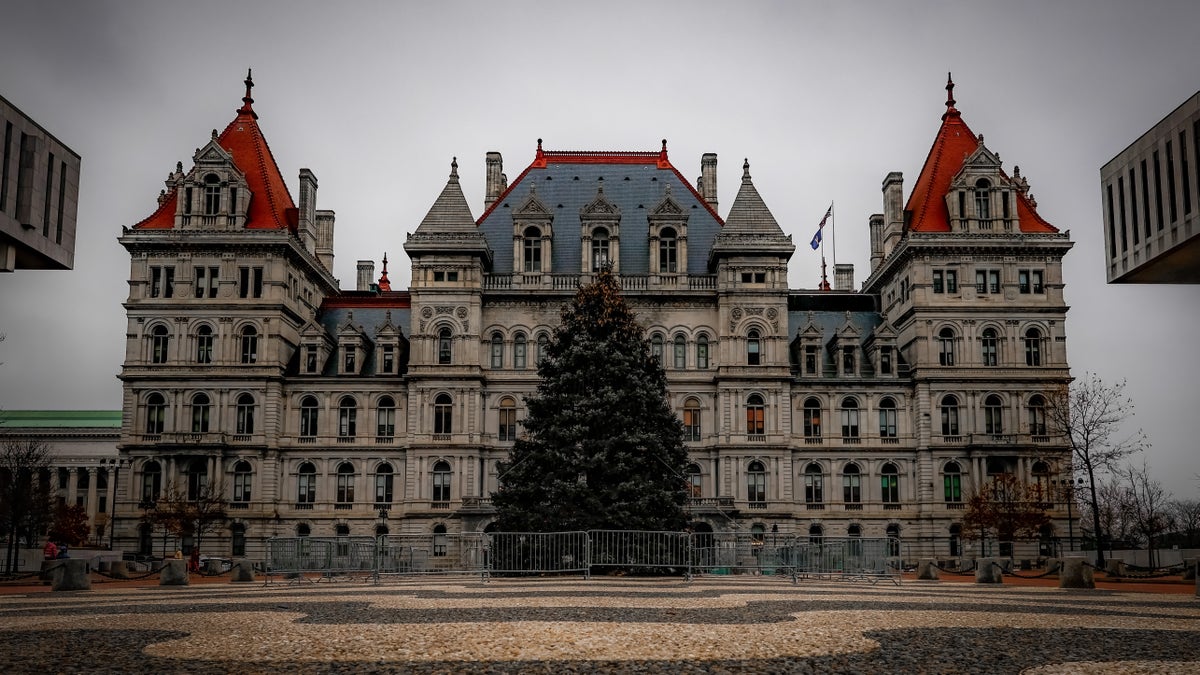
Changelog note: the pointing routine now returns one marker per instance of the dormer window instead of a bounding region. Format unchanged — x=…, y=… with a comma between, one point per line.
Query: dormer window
x=983, y=201
x=600, y=255
x=533, y=249
x=668, y=254
x=212, y=194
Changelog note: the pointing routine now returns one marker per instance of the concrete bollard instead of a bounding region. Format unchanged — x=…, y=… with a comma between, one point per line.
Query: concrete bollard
x=174, y=573
x=213, y=567
x=72, y=575
x=1114, y=568
x=119, y=569
x=988, y=571
x=243, y=570
x=1189, y=569
x=926, y=569
x=1075, y=573
x=1196, y=573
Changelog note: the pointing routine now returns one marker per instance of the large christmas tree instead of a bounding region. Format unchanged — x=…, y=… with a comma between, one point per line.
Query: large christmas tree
x=602, y=448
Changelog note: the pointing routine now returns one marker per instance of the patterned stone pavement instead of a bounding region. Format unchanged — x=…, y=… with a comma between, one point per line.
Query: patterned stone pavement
x=734, y=625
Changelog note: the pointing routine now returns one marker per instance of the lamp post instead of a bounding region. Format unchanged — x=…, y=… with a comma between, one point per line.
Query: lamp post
x=1067, y=486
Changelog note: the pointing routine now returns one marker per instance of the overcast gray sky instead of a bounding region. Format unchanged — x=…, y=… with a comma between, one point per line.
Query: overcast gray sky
x=824, y=98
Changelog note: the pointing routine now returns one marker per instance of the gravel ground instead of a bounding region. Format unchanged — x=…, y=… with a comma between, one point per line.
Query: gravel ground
x=753, y=625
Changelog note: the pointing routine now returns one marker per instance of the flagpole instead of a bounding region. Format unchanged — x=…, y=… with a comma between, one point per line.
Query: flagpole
x=833, y=234
x=824, y=278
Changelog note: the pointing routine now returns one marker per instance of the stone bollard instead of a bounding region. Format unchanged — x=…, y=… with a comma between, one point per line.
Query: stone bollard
x=212, y=567
x=72, y=575
x=1075, y=573
x=927, y=569
x=174, y=573
x=119, y=569
x=1189, y=569
x=1196, y=573
x=243, y=570
x=1114, y=568
x=988, y=571
x=47, y=573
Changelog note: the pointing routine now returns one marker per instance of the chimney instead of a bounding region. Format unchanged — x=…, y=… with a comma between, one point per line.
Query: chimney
x=307, y=225
x=708, y=178
x=366, y=275
x=893, y=211
x=495, y=178
x=843, y=277
x=324, y=246
x=876, y=240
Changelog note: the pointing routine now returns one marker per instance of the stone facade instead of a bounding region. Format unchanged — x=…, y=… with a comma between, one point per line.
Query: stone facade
x=822, y=413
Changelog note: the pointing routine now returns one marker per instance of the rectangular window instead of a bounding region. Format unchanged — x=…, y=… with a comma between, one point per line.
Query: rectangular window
x=952, y=484
x=938, y=282
x=1158, y=208
x=1133, y=204
x=250, y=282
x=848, y=360
x=987, y=282
x=1112, y=223
x=155, y=282
x=885, y=360
x=383, y=488
x=25, y=179
x=1146, y=200
x=62, y=198
x=207, y=279
x=389, y=359
x=1023, y=281
x=451, y=276
x=348, y=361
x=810, y=360
x=439, y=276
x=993, y=281
x=7, y=155
x=1171, y=183
x=1121, y=209
x=702, y=355
x=310, y=359
x=46, y=201
x=1036, y=279
x=1183, y=173
x=890, y=488
x=951, y=281
x=747, y=277
x=691, y=424
x=851, y=488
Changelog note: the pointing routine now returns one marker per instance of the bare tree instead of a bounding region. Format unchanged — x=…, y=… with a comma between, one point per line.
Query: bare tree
x=1149, y=500
x=1006, y=509
x=182, y=514
x=1187, y=519
x=26, y=499
x=1089, y=415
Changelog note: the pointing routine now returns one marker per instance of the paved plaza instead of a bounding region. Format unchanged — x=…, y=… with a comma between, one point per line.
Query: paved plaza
x=563, y=625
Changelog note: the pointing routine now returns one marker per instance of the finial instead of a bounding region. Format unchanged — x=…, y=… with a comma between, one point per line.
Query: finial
x=384, y=284
x=214, y=133
x=539, y=145
x=178, y=167
x=664, y=145
x=746, y=169
x=454, y=167
x=538, y=155
x=247, y=100
x=949, y=92
x=1016, y=171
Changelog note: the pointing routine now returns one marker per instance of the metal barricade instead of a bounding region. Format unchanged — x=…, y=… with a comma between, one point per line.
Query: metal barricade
x=634, y=550
x=732, y=553
x=435, y=553
x=327, y=556
x=521, y=553
x=850, y=558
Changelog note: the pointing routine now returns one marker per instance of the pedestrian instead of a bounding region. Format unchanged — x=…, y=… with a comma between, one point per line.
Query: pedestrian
x=178, y=554
x=62, y=552
x=194, y=560
x=50, y=550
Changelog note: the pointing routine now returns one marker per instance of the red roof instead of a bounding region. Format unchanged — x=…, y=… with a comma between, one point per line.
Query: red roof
x=389, y=300
x=953, y=144
x=271, y=205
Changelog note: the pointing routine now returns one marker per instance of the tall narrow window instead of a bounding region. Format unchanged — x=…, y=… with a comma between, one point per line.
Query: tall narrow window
x=851, y=484
x=849, y=418
x=1184, y=174
x=245, y=414
x=443, y=416
x=695, y=486
x=755, y=415
x=1158, y=200
x=159, y=342
x=814, y=484
x=196, y=475
x=702, y=352
x=310, y=359
x=388, y=362
x=993, y=415
x=385, y=417
x=667, y=254
x=753, y=348
x=1037, y=415
x=656, y=346
x=249, y=345
x=885, y=361
x=679, y=352
x=812, y=418
x=347, y=417
x=691, y=420
x=983, y=202
x=349, y=358
x=383, y=484
x=756, y=483
x=519, y=351
x=212, y=195
x=200, y=413
x=952, y=482
x=810, y=360
x=441, y=481
x=1033, y=347
x=497, y=345
x=600, y=255
x=1171, y=184
x=308, y=416
x=444, y=346
x=237, y=540
x=531, y=246
x=6, y=156
x=946, y=347
x=306, y=484
x=889, y=483
x=949, y=410
x=507, y=427
x=151, y=481
x=156, y=412
x=887, y=418
x=848, y=361
x=989, y=346
x=1146, y=200
x=242, y=478
x=204, y=344
x=345, y=483
x=543, y=346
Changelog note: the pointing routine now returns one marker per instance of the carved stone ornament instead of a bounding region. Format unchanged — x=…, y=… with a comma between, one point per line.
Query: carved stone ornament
x=444, y=309
x=736, y=313
x=461, y=312
x=427, y=312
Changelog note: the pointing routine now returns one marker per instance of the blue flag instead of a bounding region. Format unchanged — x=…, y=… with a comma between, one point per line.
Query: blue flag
x=816, y=240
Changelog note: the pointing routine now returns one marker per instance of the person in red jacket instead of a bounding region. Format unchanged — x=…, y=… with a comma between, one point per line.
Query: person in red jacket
x=50, y=550
x=194, y=560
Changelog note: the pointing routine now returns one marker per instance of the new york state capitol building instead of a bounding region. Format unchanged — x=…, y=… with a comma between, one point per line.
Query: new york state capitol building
x=324, y=412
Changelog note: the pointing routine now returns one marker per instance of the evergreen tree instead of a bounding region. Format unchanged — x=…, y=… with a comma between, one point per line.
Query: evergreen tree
x=602, y=448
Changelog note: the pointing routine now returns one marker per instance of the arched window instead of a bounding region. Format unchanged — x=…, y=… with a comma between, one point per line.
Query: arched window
x=145, y=539
x=303, y=530
x=983, y=199
x=955, y=539
x=691, y=420
x=667, y=252
x=245, y=414
x=212, y=194
x=952, y=483
x=543, y=345
x=656, y=346
x=1033, y=347
x=815, y=534
x=702, y=352
x=887, y=418
x=950, y=415
x=946, y=347
x=151, y=481
x=812, y=418
x=519, y=351
x=988, y=344
x=441, y=481
x=756, y=483
x=599, y=249
x=532, y=248
x=694, y=484
x=308, y=416
x=1041, y=480
x=443, y=415
x=242, y=477
x=753, y=348
x=497, y=351
x=889, y=483
x=385, y=417
x=851, y=484
x=444, y=346
x=814, y=484
x=347, y=417
x=306, y=484
x=249, y=345
x=160, y=340
x=893, y=539
x=196, y=475
x=849, y=418
x=200, y=413
x=383, y=484
x=1037, y=415
x=345, y=485
x=204, y=344
x=156, y=413
x=679, y=352
x=755, y=415
x=237, y=540
x=507, y=429
x=993, y=415
x=439, y=540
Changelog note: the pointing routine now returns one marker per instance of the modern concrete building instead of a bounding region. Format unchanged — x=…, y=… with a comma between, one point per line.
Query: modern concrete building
x=333, y=412
x=39, y=195
x=84, y=461
x=1151, y=201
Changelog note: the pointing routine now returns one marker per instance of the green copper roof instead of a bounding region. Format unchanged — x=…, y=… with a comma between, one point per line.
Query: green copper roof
x=28, y=419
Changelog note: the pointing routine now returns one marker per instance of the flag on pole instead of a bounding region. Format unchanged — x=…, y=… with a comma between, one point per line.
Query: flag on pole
x=816, y=240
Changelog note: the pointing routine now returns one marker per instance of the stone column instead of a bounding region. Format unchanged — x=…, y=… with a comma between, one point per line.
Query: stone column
x=91, y=496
